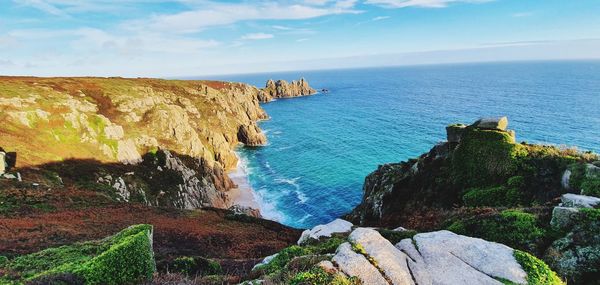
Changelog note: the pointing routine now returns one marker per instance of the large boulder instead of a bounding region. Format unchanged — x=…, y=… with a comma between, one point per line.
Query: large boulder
x=496, y=123
x=564, y=217
x=326, y=230
x=440, y=257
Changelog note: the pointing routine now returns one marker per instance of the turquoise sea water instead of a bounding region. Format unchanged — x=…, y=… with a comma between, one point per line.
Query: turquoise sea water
x=321, y=147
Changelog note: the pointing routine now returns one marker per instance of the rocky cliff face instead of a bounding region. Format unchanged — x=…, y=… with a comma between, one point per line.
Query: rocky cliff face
x=482, y=183
x=193, y=126
x=283, y=89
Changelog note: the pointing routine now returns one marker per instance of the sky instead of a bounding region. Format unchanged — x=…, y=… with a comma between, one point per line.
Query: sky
x=156, y=38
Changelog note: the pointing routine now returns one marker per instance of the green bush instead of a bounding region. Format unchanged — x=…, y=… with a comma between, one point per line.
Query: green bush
x=195, y=266
x=591, y=187
x=124, y=258
x=538, y=272
x=318, y=276
x=577, y=175
x=514, y=228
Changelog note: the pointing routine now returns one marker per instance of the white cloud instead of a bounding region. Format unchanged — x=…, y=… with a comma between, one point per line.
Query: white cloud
x=257, y=36
x=419, y=3
x=219, y=14
x=379, y=18
x=302, y=40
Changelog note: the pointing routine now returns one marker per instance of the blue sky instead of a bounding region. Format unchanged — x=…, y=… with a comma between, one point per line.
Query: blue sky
x=196, y=37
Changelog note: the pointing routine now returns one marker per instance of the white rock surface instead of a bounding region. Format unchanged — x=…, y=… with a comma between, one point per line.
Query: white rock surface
x=326, y=230
x=436, y=258
x=389, y=259
x=354, y=264
x=454, y=259
x=265, y=261
x=566, y=179
x=579, y=201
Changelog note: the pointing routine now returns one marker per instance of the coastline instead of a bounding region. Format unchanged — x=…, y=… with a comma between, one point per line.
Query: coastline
x=243, y=195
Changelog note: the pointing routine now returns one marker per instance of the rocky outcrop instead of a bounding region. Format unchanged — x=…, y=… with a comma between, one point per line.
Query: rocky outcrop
x=577, y=253
x=251, y=135
x=479, y=165
x=436, y=258
x=365, y=256
x=283, y=89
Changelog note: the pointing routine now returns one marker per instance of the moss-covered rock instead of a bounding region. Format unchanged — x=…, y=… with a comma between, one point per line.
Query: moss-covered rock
x=124, y=258
x=538, y=272
x=486, y=157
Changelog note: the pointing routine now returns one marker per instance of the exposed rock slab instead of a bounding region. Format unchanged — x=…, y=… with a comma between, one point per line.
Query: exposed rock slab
x=389, y=259
x=283, y=89
x=579, y=201
x=354, y=264
x=440, y=257
x=326, y=230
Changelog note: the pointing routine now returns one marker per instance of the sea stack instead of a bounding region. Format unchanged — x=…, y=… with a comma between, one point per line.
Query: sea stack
x=283, y=89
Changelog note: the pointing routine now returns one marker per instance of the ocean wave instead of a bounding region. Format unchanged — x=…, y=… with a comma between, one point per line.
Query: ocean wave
x=292, y=181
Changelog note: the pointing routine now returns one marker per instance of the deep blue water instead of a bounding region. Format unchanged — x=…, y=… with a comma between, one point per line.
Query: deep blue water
x=321, y=147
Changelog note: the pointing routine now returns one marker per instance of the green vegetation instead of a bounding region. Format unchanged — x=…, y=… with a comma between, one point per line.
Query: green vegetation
x=318, y=276
x=591, y=187
x=485, y=157
x=195, y=266
x=514, y=228
x=298, y=263
x=396, y=236
x=538, y=272
x=496, y=196
x=124, y=258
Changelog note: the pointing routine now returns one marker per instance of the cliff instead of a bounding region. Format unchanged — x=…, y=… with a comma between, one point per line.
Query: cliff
x=283, y=89
x=160, y=128
x=482, y=183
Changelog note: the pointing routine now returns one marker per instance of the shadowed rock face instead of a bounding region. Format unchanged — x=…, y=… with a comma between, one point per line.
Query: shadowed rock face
x=283, y=89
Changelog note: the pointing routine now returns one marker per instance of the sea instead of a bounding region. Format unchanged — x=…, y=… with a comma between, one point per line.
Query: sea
x=322, y=147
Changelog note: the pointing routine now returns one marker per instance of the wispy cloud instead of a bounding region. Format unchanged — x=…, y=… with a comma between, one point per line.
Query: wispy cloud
x=419, y=3
x=375, y=19
x=302, y=40
x=219, y=14
x=257, y=36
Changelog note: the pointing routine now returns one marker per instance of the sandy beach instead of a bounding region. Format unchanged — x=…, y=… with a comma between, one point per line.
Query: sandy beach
x=243, y=195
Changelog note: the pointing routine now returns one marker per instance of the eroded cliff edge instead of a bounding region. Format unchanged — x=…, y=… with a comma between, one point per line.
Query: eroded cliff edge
x=159, y=142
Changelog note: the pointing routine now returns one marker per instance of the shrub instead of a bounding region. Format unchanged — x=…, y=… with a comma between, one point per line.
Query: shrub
x=591, y=187
x=577, y=175
x=195, y=266
x=318, y=276
x=514, y=228
x=537, y=271
x=124, y=258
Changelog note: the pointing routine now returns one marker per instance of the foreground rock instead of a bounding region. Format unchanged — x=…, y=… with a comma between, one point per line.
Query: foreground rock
x=320, y=231
x=283, y=89
x=577, y=253
x=441, y=257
